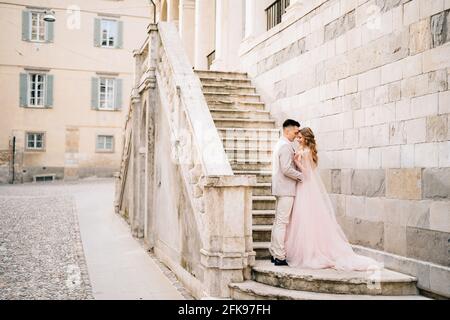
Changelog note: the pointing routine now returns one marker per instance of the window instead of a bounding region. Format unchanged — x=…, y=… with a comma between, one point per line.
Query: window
x=37, y=26
x=108, y=33
x=108, y=29
x=35, y=140
x=105, y=143
x=37, y=89
x=106, y=93
x=275, y=12
x=35, y=29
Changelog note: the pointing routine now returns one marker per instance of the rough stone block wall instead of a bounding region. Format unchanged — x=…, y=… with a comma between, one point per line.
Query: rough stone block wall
x=371, y=78
x=5, y=158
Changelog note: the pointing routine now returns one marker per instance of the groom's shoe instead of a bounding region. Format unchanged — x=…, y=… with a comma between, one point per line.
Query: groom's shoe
x=279, y=262
x=272, y=259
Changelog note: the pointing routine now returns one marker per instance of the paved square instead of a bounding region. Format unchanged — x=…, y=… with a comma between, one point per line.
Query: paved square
x=47, y=230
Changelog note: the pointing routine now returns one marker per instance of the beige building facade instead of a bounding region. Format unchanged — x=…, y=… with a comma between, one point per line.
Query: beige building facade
x=65, y=86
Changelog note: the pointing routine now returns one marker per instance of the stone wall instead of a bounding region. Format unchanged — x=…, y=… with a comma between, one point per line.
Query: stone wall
x=171, y=207
x=371, y=78
x=5, y=158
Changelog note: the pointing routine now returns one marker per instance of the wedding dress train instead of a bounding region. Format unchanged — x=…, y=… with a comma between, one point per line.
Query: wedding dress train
x=314, y=239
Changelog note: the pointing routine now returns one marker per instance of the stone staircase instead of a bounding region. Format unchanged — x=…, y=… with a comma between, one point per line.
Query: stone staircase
x=284, y=283
x=249, y=135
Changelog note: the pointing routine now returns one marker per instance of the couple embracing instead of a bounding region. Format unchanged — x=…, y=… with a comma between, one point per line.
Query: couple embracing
x=306, y=233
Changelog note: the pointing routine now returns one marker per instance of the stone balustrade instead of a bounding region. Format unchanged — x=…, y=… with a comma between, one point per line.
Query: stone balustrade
x=184, y=199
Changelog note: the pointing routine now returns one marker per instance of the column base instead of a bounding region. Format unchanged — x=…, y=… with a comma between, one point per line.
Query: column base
x=218, y=65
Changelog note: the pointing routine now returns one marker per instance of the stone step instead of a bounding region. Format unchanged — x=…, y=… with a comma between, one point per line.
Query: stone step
x=240, y=114
x=229, y=89
x=244, y=123
x=262, y=176
x=225, y=81
x=263, y=217
x=241, y=164
x=243, y=157
x=237, y=105
x=260, y=134
x=261, y=233
x=221, y=74
x=248, y=143
x=262, y=189
x=251, y=290
x=376, y=282
x=236, y=152
x=221, y=96
x=264, y=202
x=262, y=250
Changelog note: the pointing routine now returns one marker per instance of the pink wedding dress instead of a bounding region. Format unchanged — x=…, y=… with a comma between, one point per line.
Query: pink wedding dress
x=314, y=239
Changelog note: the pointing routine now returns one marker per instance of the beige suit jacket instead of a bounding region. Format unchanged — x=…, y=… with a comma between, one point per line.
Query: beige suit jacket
x=285, y=174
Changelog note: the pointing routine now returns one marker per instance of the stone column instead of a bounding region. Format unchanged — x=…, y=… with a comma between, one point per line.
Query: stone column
x=227, y=254
x=255, y=20
x=187, y=27
x=229, y=35
x=172, y=10
x=204, y=32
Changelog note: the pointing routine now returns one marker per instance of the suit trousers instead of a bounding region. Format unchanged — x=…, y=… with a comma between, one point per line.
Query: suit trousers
x=282, y=218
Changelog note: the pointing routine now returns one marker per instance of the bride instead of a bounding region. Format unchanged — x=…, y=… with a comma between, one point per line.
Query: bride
x=314, y=239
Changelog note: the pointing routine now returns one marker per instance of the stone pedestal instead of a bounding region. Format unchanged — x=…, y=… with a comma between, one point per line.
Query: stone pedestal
x=228, y=253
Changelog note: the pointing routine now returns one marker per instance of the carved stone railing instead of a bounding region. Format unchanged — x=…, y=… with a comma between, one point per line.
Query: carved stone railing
x=221, y=202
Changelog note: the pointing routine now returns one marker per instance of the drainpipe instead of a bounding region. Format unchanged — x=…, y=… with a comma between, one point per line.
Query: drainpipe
x=13, y=159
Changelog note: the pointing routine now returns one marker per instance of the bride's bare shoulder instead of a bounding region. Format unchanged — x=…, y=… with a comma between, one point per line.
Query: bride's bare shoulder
x=305, y=151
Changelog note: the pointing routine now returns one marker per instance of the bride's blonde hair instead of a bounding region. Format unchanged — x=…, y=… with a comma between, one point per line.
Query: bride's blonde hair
x=310, y=142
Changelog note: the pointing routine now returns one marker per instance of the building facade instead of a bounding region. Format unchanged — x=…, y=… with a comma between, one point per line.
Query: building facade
x=371, y=78
x=65, y=86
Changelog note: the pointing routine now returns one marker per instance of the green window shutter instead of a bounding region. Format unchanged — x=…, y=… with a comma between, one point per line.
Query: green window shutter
x=23, y=89
x=26, y=25
x=97, y=32
x=50, y=27
x=49, y=90
x=94, y=93
x=118, y=94
x=119, y=42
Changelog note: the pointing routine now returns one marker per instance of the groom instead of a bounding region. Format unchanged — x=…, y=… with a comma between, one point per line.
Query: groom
x=285, y=176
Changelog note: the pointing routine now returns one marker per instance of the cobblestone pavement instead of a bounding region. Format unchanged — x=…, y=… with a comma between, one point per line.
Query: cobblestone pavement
x=41, y=255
